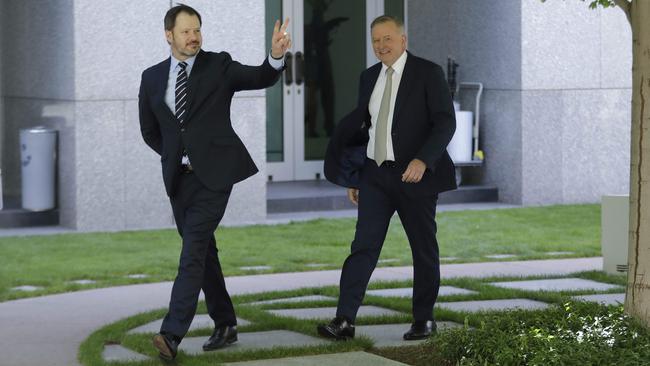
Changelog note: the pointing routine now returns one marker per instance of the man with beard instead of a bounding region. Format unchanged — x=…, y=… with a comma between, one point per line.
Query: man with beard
x=184, y=105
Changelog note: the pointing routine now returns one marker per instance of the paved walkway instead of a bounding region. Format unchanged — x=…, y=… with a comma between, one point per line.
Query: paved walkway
x=48, y=330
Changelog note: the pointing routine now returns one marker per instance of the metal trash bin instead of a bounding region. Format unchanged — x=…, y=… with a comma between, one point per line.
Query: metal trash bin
x=38, y=168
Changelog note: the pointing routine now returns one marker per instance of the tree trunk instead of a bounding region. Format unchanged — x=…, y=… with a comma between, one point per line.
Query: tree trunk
x=637, y=301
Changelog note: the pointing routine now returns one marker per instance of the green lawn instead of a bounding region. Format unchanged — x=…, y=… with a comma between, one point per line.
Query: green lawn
x=51, y=261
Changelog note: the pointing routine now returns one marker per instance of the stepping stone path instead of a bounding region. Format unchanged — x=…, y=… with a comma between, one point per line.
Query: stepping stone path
x=27, y=288
x=293, y=299
x=256, y=340
x=330, y=312
x=390, y=335
x=200, y=321
x=605, y=299
x=82, y=282
x=137, y=276
x=115, y=353
x=338, y=359
x=255, y=268
x=500, y=256
x=383, y=335
x=487, y=305
x=408, y=292
x=560, y=284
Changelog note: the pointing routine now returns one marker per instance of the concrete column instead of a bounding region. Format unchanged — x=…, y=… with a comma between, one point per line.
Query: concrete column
x=2, y=120
x=81, y=75
x=576, y=93
x=555, y=119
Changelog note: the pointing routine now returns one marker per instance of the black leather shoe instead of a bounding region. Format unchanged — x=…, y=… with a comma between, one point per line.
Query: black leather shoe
x=339, y=328
x=221, y=337
x=420, y=330
x=166, y=345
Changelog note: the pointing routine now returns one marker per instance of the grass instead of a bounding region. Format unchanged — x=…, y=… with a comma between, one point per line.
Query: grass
x=53, y=261
x=426, y=354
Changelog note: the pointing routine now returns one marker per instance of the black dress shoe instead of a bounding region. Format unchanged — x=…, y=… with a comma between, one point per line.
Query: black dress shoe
x=166, y=345
x=420, y=330
x=339, y=328
x=221, y=337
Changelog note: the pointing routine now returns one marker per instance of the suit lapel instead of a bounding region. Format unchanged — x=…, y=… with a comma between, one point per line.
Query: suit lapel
x=405, y=87
x=161, y=76
x=366, y=93
x=193, y=84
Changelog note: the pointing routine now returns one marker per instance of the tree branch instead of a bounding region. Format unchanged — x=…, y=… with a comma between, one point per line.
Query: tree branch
x=626, y=6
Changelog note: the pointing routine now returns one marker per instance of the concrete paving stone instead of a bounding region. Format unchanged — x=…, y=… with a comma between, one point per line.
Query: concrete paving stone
x=500, y=256
x=408, y=292
x=448, y=258
x=560, y=284
x=200, y=321
x=559, y=253
x=82, y=282
x=255, y=268
x=605, y=299
x=293, y=299
x=117, y=353
x=388, y=260
x=338, y=359
x=27, y=288
x=255, y=341
x=390, y=335
x=330, y=312
x=485, y=305
x=137, y=276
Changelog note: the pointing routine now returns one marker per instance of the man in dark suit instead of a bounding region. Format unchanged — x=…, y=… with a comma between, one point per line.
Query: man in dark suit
x=391, y=154
x=184, y=105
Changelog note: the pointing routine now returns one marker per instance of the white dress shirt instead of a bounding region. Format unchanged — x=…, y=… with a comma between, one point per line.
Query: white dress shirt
x=375, y=103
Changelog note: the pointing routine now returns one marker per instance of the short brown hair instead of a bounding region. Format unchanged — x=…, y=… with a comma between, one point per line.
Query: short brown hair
x=170, y=17
x=388, y=18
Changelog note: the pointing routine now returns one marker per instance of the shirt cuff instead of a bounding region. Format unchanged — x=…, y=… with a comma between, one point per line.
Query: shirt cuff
x=276, y=64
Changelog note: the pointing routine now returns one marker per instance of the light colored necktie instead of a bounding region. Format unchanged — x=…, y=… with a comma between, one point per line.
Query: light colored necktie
x=381, y=130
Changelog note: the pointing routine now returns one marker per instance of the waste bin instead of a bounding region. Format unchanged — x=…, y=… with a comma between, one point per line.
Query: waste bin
x=38, y=168
x=460, y=146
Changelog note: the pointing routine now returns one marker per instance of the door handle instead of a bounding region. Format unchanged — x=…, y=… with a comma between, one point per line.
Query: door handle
x=300, y=68
x=288, y=71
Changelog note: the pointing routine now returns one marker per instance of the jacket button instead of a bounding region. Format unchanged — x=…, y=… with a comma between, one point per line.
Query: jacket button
x=182, y=130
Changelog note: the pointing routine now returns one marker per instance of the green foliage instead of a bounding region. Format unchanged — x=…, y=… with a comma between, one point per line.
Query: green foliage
x=575, y=334
x=594, y=3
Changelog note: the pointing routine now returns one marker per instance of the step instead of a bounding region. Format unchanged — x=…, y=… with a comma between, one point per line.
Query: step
x=321, y=195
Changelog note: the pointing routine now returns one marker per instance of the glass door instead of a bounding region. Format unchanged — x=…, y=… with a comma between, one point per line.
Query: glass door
x=330, y=49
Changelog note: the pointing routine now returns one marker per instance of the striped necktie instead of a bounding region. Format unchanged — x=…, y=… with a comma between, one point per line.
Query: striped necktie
x=181, y=92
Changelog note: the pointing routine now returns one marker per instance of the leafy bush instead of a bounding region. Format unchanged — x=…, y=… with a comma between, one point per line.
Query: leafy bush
x=575, y=334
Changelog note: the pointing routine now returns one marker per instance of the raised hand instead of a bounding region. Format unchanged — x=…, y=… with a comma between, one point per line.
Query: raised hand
x=281, y=40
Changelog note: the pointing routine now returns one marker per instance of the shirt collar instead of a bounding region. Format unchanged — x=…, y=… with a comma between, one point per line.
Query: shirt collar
x=174, y=63
x=398, y=66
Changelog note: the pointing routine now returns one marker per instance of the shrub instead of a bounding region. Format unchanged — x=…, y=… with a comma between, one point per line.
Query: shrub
x=574, y=334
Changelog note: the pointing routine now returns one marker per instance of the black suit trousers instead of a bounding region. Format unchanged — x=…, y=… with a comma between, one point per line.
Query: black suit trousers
x=381, y=193
x=197, y=211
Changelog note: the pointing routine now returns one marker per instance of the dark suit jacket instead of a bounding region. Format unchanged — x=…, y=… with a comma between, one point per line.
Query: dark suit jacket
x=218, y=156
x=423, y=124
